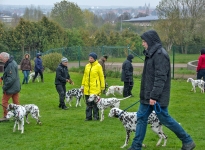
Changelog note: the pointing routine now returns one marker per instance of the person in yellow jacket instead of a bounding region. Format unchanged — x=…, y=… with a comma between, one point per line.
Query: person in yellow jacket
x=92, y=83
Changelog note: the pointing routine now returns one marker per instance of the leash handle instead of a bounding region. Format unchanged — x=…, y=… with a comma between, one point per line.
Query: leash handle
x=155, y=108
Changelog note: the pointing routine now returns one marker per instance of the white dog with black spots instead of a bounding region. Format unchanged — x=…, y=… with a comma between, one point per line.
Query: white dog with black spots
x=129, y=121
x=19, y=114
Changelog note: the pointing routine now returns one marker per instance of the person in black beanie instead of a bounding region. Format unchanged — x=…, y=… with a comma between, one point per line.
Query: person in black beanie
x=62, y=77
x=127, y=76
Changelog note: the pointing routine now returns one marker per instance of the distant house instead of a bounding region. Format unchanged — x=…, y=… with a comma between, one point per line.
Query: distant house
x=143, y=21
x=6, y=19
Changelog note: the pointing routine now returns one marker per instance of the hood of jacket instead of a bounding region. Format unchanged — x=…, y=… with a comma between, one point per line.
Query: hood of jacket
x=153, y=41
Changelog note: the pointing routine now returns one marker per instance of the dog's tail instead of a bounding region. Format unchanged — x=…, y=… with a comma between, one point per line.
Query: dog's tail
x=125, y=98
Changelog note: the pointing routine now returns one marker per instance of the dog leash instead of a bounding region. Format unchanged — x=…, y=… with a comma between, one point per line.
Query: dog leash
x=3, y=106
x=128, y=108
x=155, y=109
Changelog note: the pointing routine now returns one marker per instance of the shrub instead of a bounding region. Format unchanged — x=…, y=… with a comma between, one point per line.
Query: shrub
x=51, y=61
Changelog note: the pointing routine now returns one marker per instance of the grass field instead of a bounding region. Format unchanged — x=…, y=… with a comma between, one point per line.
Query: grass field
x=67, y=130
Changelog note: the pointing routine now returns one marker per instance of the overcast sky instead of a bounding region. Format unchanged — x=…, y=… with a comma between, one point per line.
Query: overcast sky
x=133, y=3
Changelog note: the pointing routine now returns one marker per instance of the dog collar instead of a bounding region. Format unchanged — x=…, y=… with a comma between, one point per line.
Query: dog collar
x=98, y=100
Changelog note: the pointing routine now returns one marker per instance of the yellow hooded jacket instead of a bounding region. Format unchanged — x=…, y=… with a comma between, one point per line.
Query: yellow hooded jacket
x=93, y=79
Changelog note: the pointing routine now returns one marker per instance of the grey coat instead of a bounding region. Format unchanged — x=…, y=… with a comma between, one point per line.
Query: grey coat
x=156, y=76
x=11, y=81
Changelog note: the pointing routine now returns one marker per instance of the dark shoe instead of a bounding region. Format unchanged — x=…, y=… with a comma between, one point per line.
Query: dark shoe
x=59, y=105
x=65, y=108
x=96, y=119
x=130, y=148
x=4, y=119
x=88, y=119
x=189, y=146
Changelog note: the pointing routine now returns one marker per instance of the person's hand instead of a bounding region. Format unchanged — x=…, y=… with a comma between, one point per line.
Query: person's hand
x=152, y=102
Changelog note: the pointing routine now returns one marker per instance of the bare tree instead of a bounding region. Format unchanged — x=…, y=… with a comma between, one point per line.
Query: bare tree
x=183, y=19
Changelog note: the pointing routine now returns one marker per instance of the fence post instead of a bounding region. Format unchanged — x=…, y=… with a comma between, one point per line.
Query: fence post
x=79, y=56
x=173, y=63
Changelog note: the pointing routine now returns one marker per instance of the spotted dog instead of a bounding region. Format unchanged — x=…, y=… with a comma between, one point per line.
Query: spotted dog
x=115, y=89
x=31, y=76
x=129, y=120
x=103, y=103
x=195, y=83
x=34, y=111
x=19, y=113
x=74, y=92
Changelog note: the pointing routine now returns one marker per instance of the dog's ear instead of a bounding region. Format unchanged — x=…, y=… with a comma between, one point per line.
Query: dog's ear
x=115, y=113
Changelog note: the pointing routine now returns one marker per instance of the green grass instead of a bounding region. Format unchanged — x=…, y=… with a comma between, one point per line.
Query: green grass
x=66, y=129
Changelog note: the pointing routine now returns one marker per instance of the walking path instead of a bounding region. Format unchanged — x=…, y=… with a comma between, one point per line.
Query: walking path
x=119, y=65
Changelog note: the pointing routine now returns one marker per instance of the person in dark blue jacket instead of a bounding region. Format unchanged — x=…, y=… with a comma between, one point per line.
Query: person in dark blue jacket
x=38, y=67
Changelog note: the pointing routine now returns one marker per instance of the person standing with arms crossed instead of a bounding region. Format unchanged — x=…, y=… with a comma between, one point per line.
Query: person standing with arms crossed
x=11, y=82
x=25, y=66
x=155, y=90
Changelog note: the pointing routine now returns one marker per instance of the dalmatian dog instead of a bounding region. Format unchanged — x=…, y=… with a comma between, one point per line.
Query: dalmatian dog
x=195, y=83
x=115, y=89
x=103, y=103
x=31, y=76
x=129, y=120
x=18, y=113
x=34, y=111
x=74, y=92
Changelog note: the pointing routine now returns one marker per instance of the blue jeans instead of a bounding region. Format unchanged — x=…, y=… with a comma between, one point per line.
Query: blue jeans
x=26, y=74
x=165, y=119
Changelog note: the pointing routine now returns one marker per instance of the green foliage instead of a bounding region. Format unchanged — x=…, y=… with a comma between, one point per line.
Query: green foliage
x=51, y=61
x=68, y=14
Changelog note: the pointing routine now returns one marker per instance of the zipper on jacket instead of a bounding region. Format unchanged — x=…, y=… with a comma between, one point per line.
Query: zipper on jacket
x=89, y=79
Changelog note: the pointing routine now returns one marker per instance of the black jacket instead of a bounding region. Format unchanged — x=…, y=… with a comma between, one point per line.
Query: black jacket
x=11, y=77
x=156, y=76
x=127, y=70
x=61, y=75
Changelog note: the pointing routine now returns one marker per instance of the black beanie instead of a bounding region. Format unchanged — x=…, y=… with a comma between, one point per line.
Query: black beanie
x=93, y=55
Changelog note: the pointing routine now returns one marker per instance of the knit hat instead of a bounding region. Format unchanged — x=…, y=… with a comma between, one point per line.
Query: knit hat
x=64, y=59
x=93, y=55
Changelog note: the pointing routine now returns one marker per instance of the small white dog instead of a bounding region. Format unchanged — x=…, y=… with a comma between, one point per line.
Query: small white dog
x=103, y=103
x=19, y=113
x=74, y=93
x=31, y=76
x=113, y=89
x=195, y=83
x=34, y=111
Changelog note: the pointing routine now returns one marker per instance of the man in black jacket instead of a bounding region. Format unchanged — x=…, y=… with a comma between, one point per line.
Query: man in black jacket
x=62, y=76
x=155, y=92
x=127, y=76
x=11, y=82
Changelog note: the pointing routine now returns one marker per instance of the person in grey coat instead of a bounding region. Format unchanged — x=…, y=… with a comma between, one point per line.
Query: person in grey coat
x=127, y=76
x=11, y=82
x=155, y=92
